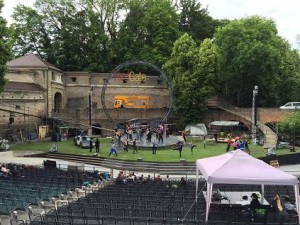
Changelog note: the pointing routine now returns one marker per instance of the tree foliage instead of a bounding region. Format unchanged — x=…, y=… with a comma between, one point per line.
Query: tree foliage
x=149, y=31
x=253, y=54
x=195, y=20
x=97, y=35
x=194, y=72
x=290, y=124
x=5, y=48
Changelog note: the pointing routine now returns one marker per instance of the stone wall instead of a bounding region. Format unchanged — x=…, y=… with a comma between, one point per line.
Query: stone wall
x=80, y=117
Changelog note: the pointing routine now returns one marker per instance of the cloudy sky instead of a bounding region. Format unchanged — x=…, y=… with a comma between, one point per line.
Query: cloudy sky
x=286, y=13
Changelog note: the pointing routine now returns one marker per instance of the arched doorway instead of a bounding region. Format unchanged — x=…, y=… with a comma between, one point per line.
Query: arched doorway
x=57, y=102
x=96, y=129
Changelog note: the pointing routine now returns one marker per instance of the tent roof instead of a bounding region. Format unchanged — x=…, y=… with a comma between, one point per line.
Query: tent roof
x=196, y=129
x=237, y=167
x=225, y=123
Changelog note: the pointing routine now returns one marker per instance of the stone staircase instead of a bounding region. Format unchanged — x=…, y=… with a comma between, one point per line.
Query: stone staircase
x=171, y=168
x=270, y=136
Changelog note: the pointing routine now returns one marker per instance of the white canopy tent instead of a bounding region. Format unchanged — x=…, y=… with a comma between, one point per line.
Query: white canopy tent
x=237, y=167
x=196, y=129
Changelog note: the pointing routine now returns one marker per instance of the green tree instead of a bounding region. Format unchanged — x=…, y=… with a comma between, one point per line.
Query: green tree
x=29, y=33
x=289, y=85
x=194, y=72
x=105, y=25
x=73, y=35
x=207, y=72
x=149, y=31
x=252, y=53
x=131, y=35
x=5, y=48
x=195, y=20
x=290, y=126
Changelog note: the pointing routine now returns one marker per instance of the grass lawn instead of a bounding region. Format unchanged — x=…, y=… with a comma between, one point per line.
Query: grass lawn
x=162, y=155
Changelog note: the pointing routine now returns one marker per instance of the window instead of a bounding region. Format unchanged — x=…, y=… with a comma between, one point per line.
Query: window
x=53, y=76
x=73, y=79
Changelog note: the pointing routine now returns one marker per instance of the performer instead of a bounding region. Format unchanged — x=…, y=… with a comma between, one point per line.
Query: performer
x=113, y=149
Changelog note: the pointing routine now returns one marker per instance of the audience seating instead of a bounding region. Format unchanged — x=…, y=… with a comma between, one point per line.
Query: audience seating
x=140, y=203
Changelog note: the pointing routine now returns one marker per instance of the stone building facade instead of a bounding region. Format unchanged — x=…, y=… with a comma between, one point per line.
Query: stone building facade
x=39, y=93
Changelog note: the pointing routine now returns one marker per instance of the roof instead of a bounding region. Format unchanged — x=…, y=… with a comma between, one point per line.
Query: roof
x=30, y=61
x=22, y=86
x=225, y=123
x=237, y=167
x=196, y=129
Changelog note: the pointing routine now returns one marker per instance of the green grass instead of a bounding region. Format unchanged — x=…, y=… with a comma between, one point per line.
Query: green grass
x=162, y=155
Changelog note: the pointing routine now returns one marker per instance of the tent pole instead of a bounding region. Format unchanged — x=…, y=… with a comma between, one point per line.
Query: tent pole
x=197, y=178
x=262, y=194
x=208, y=198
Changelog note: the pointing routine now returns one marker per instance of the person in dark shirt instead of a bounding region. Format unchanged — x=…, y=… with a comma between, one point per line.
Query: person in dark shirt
x=254, y=204
x=134, y=146
x=154, y=147
x=91, y=144
x=97, y=145
x=182, y=182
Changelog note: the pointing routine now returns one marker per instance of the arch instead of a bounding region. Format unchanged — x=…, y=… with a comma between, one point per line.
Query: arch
x=96, y=129
x=57, y=102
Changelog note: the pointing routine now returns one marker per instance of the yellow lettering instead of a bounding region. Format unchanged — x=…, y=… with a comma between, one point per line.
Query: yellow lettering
x=137, y=77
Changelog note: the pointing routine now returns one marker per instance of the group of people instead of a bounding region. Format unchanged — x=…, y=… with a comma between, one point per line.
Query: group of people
x=97, y=145
x=238, y=143
x=132, y=137
x=280, y=206
x=10, y=170
x=131, y=177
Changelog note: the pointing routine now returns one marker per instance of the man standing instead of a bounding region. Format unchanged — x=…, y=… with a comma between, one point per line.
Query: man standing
x=180, y=146
x=134, y=146
x=153, y=147
x=113, y=149
x=228, y=144
x=91, y=144
x=97, y=145
x=125, y=145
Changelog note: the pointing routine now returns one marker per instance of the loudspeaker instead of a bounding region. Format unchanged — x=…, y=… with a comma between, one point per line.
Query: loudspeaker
x=49, y=164
x=11, y=120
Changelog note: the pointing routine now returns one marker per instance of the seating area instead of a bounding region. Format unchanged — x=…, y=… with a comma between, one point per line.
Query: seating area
x=155, y=203
x=27, y=185
x=107, y=202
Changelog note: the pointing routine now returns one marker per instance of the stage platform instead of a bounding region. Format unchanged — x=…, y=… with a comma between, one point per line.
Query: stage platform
x=143, y=142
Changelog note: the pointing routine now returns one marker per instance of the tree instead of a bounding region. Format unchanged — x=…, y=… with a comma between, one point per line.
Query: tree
x=73, y=35
x=149, y=31
x=5, y=48
x=290, y=126
x=195, y=20
x=131, y=35
x=252, y=53
x=107, y=19
x=29, y=33
x=193, y=71
x=207, y=71
x=289, y=85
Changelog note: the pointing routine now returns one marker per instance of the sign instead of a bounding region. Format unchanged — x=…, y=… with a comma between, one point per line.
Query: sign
x=134, y=77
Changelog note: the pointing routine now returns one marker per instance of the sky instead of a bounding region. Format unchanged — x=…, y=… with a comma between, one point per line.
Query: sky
x=286, y=13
